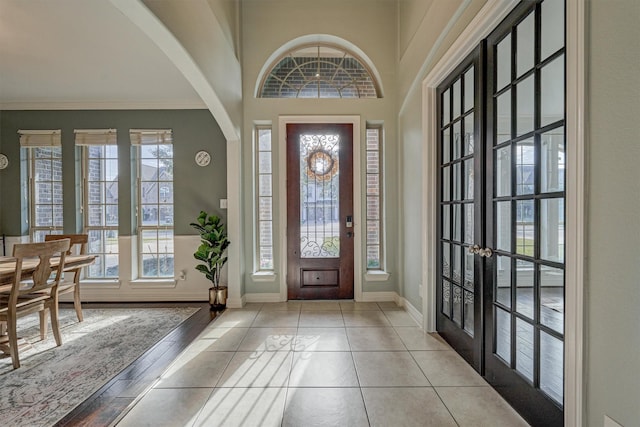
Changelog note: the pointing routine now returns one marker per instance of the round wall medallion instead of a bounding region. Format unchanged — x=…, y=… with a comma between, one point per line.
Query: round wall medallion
x=4, y=161
x=203, y=158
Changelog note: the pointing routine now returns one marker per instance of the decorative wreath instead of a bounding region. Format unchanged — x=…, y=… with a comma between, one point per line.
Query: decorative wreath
x=321, y=165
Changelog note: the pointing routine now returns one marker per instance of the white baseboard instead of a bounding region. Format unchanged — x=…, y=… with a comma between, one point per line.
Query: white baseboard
x=263, y=297
x=413, y=312
x=237, y=302
x=379, y=297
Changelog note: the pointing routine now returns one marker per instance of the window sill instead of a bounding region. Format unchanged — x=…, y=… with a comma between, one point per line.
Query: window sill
x=376, y=276
x=100, y=284
x=154, y=284
x=264, y=276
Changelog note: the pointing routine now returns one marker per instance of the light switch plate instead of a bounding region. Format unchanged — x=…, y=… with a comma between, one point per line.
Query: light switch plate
x=223, y=203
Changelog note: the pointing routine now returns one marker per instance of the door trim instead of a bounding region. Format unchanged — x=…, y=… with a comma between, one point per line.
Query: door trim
x=485, y=21
x=357, y=194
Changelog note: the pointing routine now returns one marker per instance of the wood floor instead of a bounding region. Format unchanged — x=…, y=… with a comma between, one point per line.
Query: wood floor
x=106, y=404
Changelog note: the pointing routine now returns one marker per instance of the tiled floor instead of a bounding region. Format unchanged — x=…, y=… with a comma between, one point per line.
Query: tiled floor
x=319, y=363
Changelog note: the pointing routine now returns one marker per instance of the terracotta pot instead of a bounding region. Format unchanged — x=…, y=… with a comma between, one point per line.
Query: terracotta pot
x=218, y=297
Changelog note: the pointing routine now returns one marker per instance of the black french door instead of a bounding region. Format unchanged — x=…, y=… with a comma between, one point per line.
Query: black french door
x=459, y=291
x=516, y=244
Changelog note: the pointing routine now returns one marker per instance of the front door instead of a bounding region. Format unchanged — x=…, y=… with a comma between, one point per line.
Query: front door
x=320, y=231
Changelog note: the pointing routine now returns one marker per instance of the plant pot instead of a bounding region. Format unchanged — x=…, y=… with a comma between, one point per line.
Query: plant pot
x=218, y=297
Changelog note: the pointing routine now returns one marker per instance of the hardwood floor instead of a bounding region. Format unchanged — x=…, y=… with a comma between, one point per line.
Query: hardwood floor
x=106, y=404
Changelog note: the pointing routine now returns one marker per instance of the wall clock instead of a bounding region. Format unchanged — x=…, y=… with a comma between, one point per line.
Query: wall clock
x=203, y=158
x=4, y=161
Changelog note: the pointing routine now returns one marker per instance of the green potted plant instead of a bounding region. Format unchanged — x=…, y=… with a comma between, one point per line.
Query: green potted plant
x=211, y=254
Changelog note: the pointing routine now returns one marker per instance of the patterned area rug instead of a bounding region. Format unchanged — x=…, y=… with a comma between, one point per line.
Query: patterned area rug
x=52, y=381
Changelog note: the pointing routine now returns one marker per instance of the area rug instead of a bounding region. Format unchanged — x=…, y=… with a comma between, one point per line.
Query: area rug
x=52, y=381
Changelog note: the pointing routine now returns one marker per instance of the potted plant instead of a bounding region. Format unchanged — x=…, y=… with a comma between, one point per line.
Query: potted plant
x=211, y=254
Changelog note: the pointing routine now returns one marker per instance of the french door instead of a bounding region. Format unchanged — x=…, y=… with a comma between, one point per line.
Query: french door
x=518, y=213
x=320, y=232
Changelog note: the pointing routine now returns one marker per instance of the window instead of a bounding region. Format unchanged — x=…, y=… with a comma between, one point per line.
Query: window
x=100, y=199
x=44, y=158
x=155, y=202
x=374, y=198
x=264, y=197
x=319, y=71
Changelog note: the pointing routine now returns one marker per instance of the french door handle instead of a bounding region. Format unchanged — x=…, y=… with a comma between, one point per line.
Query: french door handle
x=486, y=252
x=475, y=249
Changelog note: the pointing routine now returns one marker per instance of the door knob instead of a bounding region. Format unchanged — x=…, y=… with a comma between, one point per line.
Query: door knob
x=486, y=252
x=475, y=249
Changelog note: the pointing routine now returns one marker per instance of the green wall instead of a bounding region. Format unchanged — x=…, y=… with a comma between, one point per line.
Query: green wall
x=195, y=188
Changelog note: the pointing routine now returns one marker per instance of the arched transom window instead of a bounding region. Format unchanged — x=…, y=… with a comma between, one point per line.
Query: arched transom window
x=319, y=71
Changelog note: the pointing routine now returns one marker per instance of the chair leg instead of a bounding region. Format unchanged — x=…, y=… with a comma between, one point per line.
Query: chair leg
x=76, y=300
x=43, y=323
x=55, y=324
x=13, y=341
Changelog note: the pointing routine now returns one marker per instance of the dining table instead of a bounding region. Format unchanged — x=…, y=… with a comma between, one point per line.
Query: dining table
x=8, y=272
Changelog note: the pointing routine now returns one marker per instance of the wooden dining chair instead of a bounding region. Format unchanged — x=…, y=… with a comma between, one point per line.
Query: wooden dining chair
x=78, y=246
x=34, y=292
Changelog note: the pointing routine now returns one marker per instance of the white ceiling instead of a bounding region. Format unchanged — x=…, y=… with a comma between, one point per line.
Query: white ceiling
x=83, y=54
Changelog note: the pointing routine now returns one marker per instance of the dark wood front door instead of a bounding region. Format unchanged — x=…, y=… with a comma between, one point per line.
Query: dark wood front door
x=320, y=231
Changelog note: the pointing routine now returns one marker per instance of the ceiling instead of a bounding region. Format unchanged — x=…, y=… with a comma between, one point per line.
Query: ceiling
x=83, y=54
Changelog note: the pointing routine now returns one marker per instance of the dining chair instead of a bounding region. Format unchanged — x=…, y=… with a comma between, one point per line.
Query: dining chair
x=78, y=246
x=33, y=292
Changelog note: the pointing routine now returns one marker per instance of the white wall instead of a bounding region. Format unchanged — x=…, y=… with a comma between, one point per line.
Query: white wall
x=613, y=228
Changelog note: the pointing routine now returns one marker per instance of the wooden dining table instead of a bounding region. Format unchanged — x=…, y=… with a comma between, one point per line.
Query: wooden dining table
x=8, y=272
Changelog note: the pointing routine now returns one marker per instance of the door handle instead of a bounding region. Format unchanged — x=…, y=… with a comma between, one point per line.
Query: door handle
x=475, y=249
x=486, y=252
x=349, y=234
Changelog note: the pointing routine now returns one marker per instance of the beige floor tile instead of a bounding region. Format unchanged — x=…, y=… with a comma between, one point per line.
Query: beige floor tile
x=447, y=368
x=235, y=318
x=267, y=319
x=365, y=318
x=321, y=339
x=167, y=407
x=358, y=306
x=219, y=339
x=389, y=305
x=311, y=407
x=321, y=319
x=323, y=369
x=268, y=339
x=388, y=369
x=282, y=306
x=194, y=369
x=407, y=407
x=400, y=318
x=257, y=369
x=231, y=407
x=479, y=407
x=320, y=306
x=416, y=339
x=374, y=339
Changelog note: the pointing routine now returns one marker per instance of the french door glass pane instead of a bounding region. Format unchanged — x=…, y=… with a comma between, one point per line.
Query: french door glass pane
x=446, y=222
x=446, y=145
x=468, y=223
x=457, y=264
x=525, y=50
x=525, y=228
x=503, y=226
x=503, y=117
x=446, y=184
x=525, y=167
x=552, y=92
x=552, y=229
x=503, y=335
x=551, y=367
x=524, y=349
x=468, y=270
x=457, y=222
x=446, y=112
x=457, y=140
x=468, y=179
x=552, y=161
x=446, y=260
x=502, y=169
x=468, y=135
x=502, y=292
x=468, y=89
x=524, y=288
x=457, y=98
x=457, y=305
x=456, y=181
x=525, y=106
x=446, y=298
x=468, y=312
x=552, y=298
x=552, y=32
x=503, y=65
